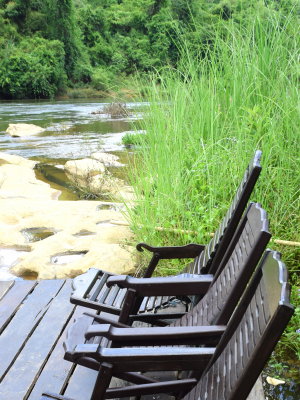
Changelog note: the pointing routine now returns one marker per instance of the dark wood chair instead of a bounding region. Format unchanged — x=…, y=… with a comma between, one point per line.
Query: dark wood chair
x=91, y=290
x=215, y=308
x=227, y=371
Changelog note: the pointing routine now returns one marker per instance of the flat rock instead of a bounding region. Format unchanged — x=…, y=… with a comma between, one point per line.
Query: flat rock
x=23, y=130
x=6, y=158
x=104, y=248
x=83, y=234
x=19, y=181
x=111, y=257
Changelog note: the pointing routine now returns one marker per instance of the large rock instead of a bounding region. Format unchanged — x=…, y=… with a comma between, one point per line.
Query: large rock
x=105, y=185
x=22, y=130
x=91, y=176
x=85, y=168
x=109, y=160
x=44, y=259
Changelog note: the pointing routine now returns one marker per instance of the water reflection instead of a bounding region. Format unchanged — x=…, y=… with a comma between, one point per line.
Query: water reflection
x=8, y=258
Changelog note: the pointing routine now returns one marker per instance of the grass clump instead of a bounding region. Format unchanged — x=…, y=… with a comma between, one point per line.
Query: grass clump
x=206, y=120
x=133, y=139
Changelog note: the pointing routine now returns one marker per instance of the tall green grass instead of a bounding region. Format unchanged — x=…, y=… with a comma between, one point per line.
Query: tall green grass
x=205, y=121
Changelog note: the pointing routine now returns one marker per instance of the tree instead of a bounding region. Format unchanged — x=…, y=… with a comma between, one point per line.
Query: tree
x=33, y=69
x=62, y=26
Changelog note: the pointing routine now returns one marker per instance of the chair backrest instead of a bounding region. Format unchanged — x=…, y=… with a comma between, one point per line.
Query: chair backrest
x=263, y=313
x=250, y=241
x=210, y=258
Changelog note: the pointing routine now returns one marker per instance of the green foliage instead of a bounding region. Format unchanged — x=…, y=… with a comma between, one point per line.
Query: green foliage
x=8, y=32
x=35, y=68
x=102, y=79
x=134, y=139
x=128, y=36
x=61, y=25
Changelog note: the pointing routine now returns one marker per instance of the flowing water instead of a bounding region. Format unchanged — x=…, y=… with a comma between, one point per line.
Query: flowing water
x=71, y=130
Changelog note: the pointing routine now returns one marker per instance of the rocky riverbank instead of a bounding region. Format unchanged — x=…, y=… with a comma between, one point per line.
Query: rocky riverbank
x=47, y=238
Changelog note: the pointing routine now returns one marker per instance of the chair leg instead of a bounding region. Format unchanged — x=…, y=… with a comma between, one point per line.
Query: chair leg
x=102, y=381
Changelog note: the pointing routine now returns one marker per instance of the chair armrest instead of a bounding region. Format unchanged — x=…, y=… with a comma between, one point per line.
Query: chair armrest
x=191, y=250
x=106, y=320
x=132, y=359
x=94, y=305
x=166, y=286
x=158, y=336
x=51, y=396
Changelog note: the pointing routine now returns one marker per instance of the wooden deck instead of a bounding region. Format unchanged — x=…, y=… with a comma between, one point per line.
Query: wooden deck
x=34, y=318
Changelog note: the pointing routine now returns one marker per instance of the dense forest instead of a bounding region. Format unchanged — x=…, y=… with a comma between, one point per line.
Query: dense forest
x=47, y=46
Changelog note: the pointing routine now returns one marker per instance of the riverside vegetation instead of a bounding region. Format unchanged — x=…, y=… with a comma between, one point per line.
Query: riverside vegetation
x=206, y=118
x=93, y=47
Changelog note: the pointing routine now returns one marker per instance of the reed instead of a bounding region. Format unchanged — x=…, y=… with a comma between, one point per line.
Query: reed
x=205, y=121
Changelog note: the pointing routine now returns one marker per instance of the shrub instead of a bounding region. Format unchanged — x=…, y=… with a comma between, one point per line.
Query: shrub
x=34, y=69
x=102, y=79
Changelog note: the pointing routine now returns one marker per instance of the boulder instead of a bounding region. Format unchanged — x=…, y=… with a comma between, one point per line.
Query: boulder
x=23, y=130
x=104, y=185
x=91, y=176
x=85, y=168
x=109, y=160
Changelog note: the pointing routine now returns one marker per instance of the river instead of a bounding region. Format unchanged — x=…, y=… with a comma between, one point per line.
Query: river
x=71, y=130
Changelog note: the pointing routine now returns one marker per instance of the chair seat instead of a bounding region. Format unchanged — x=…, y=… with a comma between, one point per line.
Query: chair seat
x=92, y=289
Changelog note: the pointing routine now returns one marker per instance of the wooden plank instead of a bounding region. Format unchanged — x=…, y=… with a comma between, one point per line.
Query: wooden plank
x=4, y=287
x=257, y=392
x=25, y=320
x=12, y=300
x=20, y=379
x=81, y=383
x=57, y=370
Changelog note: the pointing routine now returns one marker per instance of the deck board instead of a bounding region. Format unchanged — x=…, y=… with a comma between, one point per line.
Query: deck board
x=43, y=338
x=34, y=318
x=4, y=287
x=56, y=373
x=12, y=300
